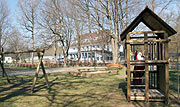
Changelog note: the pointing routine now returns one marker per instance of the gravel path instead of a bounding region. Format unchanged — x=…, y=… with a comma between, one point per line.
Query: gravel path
x=32, y=72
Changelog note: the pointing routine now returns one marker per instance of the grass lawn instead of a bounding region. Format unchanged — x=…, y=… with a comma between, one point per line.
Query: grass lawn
x=68, y=90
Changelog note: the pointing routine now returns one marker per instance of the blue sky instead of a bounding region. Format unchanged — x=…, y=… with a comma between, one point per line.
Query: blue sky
x=12, y=5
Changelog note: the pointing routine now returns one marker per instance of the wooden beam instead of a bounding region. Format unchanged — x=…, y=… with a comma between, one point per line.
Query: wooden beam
x=36, y=74
x=146, y=68
x=153, y=32
x=3, y=70
x=23, y=51
x=166, y=70
x=128, y=69
x=142, y=41
x=143, y=37
x=157, y=62
x=43, y=69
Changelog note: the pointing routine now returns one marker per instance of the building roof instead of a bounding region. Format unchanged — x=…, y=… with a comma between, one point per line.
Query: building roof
x=50, y=51
x=151, y=20
x=89, y=38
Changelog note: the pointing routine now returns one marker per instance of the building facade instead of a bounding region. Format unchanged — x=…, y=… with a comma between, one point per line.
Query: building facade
x=97, y=44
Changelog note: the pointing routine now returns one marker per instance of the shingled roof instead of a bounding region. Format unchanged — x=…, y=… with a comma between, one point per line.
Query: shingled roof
x=151, y=20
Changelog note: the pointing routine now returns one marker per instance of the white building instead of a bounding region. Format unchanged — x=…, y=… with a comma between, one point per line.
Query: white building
x=92, y=42
x=8, y=60
x=36, y=59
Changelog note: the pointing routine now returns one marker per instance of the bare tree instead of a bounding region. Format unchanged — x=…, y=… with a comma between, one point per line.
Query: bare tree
x=55, y=19
x=28, y=18
x=4, y=22
x=78, y=21
x=16, y=42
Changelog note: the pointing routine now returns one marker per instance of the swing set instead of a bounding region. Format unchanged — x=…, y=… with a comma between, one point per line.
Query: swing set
x=40, y=53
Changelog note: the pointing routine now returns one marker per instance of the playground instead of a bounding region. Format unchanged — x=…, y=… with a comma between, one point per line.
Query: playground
x=68, y=90
x=144, y=79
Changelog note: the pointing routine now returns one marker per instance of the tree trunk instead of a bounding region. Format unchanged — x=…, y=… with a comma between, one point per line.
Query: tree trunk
x=127, y=19
x=55, y=49
x=32, y=35
x=65, y=57
x=91, y=53
x=0, y=38
x=79, y=44
x=116, y=44
x=111, y=31
x=103, y=54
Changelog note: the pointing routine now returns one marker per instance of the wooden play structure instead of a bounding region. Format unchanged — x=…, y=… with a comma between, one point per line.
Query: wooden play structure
x=146, y=83
x=40, y=53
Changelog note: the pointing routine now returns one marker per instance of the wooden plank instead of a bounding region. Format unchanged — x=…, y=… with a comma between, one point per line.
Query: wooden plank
x=23, y=51
x=146, y=68
x=138, y=71
x=142, y=41
x=154, y=95
x=153, y=32
x=163, y=52
x=137, y=98
x=137, y=85
x=157, y=62
x=128, y=69
x=138, y=37
x=150, y=50
x=153, y=53
x=155, y=50
x=160, y=51
x=43, y=69
x=137, y=78
x=3, y=70
x=158, y=100
x=158, y=58
x=166, y=70
x=36, y=74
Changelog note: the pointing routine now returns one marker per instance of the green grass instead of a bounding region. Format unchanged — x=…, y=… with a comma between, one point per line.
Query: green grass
x=68, y=90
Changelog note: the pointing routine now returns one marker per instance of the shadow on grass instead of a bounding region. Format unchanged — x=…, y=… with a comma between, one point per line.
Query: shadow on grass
x=123, y=85
x=67, y=90
x=19, y=86
x=173, y=77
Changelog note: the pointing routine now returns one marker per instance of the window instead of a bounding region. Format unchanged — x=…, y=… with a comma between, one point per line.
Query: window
x=95, y=38
x=97, y=46
x=85, y=55
x=93, y=54
x=89, y=54
x=93, y=46
x=87, y=47
x=107, y=47
x=73, y=48
x=97, y=58
x=111, y=58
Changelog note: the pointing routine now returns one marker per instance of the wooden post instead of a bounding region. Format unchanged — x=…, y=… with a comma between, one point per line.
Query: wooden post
x=43, y=69
x=2, y=67
x=37, y=72
x=166, y=69
x=150, y=50
x=146, y=67
x=153, y=51
x=128, y=68
x=158, y=58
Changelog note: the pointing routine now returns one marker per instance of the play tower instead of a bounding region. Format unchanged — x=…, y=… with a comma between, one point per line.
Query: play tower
x=154, y=83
